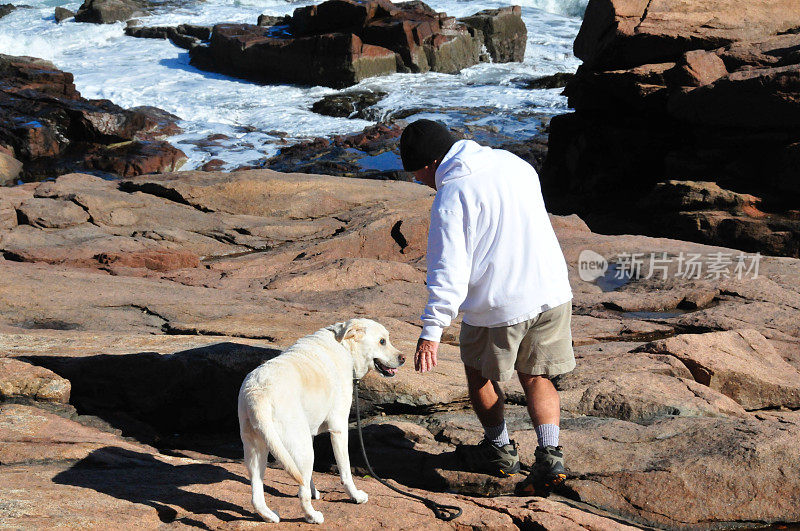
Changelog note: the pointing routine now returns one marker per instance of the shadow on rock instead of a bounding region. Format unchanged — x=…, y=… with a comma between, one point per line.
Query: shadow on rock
x=408, y=454
x=152, y=396
x=141, y=478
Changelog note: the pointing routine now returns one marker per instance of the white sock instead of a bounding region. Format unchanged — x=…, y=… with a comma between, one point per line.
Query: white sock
x=547, y=434
x=497, y=435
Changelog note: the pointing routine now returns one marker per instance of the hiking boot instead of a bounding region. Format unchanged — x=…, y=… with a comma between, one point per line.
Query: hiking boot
x=547, y=473
x=486, y=458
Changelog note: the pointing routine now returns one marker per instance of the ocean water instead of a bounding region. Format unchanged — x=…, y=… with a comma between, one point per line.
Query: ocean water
x=260, y=119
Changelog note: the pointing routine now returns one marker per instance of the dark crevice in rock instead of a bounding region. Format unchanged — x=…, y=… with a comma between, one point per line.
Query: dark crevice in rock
x=398, y=237
x=85, y=209
x=11, y=256
x=147, y=311
x=172, y=330
x=644, y=15
x=159, y=191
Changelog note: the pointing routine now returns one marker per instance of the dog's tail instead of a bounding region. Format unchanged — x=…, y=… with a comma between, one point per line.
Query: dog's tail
x=261, y=419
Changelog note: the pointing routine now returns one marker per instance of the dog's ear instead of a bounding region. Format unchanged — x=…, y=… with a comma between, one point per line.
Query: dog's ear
x=348, y=330
x=354, y=332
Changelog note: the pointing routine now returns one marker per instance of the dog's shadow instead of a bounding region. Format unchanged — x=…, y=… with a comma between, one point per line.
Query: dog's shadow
x=394, y=454
x=140, y=478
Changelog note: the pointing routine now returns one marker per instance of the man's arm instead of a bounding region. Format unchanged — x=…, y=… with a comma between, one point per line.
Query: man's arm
x=448, y=280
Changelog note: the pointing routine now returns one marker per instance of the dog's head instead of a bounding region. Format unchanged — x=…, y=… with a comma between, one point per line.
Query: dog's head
x=369, y=344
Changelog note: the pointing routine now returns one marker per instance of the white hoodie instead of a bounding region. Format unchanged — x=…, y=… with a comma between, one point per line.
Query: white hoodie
x=492, y=252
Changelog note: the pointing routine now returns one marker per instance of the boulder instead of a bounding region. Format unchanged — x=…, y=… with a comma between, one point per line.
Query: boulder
x=56, y=131
x=185, y=36
x=740, y=364
x=647, y=388
x=10, y=168
x=62, y=14
x=558, y=80
x=5, y=9
x=504, y=33
x=333, y=59
x=653, y=102
x=341, y=42
x=624, y=33
x=765, y=97
x=21, y=380
x=50, y=213
x=272, y=20
x=347, y=104
x=107, y=11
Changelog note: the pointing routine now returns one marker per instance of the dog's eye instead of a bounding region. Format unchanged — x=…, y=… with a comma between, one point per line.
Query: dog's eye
x=383, y=341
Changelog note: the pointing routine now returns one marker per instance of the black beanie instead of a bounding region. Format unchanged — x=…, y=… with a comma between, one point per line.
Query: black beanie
x=424, y=141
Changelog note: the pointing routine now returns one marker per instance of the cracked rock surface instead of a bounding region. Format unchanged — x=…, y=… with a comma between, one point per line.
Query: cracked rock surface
x=131, y=311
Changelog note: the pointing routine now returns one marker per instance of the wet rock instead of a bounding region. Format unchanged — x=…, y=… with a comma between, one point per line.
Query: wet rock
x=504, y=33
x=347, y=104
x=558, y=80
x=5, y=9
x=213, y=165
x=332, y=59
x=53, y=131
x=135, y=158
x=185, y=36
x=108, y=11
x=738, y=363
x=21, y=380
x=372, y=153
x=272, y=20
x=62, y=14
x=341, y=42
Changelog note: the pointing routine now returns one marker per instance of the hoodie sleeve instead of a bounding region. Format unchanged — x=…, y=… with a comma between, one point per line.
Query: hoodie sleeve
x=448, y=268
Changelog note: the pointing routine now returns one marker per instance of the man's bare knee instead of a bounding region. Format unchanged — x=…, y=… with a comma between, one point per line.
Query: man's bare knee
x=475, y=379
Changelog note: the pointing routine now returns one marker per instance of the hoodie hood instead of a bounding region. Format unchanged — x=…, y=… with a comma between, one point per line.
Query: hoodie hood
x=454, y=165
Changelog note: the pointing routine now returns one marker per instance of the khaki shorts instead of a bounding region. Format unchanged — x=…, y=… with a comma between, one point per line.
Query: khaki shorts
x=539, y=346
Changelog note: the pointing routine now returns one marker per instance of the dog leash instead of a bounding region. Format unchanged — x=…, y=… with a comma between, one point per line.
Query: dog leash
x=442, y=512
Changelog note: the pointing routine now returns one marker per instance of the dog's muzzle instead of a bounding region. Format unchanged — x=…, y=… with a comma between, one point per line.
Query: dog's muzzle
x=385, y=371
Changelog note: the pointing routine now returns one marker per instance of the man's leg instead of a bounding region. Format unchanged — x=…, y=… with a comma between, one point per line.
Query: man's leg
x=486, y=397
x=544, y=407
x=495, y=454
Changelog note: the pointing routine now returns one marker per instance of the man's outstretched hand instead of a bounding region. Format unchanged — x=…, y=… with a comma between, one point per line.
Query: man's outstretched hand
x=425, y=358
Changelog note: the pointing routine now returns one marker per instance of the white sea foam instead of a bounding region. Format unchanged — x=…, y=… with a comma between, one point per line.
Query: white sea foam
x=133, y=72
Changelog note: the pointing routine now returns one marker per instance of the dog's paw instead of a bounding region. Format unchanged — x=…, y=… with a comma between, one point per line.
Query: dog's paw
x=315, y=517
x=315, y=495
x=360, y=497
x=270, y=516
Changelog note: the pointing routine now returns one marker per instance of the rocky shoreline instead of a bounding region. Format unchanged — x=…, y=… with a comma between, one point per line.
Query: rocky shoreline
x=688, y=92
x=162, y=291
x=131, y=308
x=47, y=129
x=338, y=43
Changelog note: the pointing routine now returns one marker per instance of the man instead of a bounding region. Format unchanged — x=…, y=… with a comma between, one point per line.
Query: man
x=492, y=254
